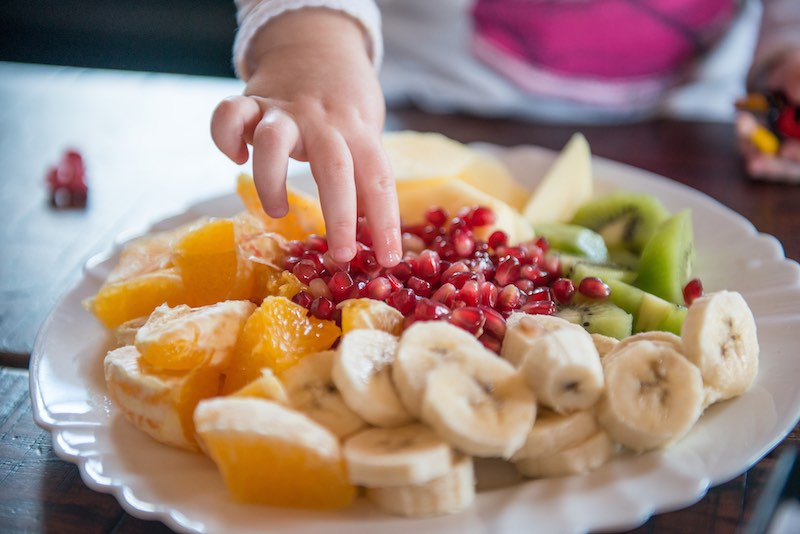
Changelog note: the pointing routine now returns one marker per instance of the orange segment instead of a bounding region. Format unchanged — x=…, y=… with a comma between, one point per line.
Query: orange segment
x=270, y=454
x=277, y=335
x=304, y=217
x=121, y=301
x=210, y=265
x=267, y=386
x=160, y=404
x=181, y=338
x=372, y=314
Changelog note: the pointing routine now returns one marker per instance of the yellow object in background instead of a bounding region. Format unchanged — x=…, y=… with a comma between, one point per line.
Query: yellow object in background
x=766, y=141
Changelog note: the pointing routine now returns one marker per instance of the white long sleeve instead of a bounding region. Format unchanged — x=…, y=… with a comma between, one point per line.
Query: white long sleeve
x=252, y=15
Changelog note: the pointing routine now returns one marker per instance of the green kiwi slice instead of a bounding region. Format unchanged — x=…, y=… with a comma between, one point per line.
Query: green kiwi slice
x=574, y=239
x=649, y=311
x=625, y=220
x=667, y=261
x=582, y=270
x=598, y=317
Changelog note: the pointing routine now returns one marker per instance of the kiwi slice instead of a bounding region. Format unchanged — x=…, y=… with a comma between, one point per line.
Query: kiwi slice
x=667, y=261
x=625, y=220
x=649, y=311
x=582, y=270
x=574, y=239
x=598, y=317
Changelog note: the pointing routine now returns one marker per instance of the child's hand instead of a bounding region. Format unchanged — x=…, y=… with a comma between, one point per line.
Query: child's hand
x=314, y=96
x=783, y=166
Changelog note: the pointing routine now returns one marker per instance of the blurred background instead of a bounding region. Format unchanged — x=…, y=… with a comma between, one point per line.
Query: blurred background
x=176, y=36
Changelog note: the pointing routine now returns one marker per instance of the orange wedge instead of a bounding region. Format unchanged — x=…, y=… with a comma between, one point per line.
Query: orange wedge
x=270, y=454
x=121, y=301
x=372, y=314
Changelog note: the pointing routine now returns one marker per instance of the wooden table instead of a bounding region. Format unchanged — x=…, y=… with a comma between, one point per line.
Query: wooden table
x=145, y=140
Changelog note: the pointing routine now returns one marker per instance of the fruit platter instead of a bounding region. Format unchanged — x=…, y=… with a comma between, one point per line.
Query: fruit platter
x=567, y=340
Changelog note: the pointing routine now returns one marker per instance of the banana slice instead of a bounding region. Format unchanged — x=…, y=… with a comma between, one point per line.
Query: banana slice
x=424, y=346
x=311, y=390
x=387, y=457
x=448, y=494
x=362, y=373
x=604, y=344
x=719, y=336
x=667, y=339
x=553, y=432
x=653, y=397
x=576, y=460
x=558, y=360
x=481, y=406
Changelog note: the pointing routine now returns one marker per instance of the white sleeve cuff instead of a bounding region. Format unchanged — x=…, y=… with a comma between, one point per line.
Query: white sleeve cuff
x=252, y=15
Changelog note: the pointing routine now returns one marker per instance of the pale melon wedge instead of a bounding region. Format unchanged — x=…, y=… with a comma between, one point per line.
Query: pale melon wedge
x=416, y=196
x=491, y=176
x=566, y=185
x=423, y=156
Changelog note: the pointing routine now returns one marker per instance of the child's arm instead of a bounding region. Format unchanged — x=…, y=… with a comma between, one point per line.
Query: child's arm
x=313, y=95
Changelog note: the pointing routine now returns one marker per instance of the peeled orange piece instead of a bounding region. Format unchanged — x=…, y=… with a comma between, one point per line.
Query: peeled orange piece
x=160, y=404
x=181, y=338
x=270, y=454
x=121, y=301
x=277, y=335
x=372, y=314
x=210, y=265
x=267, y=386
x=304, y=217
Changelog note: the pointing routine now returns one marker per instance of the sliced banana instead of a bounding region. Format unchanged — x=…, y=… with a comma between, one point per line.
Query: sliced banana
x=604, y=344
x=480, y=405
x=558, y=360
x=653, y=396
x=311, y=390
x=424, y=346
x=386, y=457
x=362, y=373
x=448, y=494
x=719, y=336
x=576, y=460
x=553, y=432
x=668, y=339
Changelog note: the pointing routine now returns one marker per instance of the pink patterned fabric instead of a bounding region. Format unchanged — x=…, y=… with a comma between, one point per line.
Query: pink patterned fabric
x=605, y=39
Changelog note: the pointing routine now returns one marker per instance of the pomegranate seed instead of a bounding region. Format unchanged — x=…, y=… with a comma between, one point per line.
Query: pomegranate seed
x=483, y=266
x=446, y=294
x=363, y=233
x=394, y=283
x=378, y=288
x=295, y=248
x=455, y=267
x=408, y=320
x=319, y=288
x=463, y=244
x=402, y=271
x=416, y=229
x=305, y=271
x=540, y=293
x=543, y=244
x=509, y=298
x=480, y=216
x=491, y=342
x=542, y=307
x=436, y=216
x=458, y=224
x=692, y=290
x=498, y=238
x=508, y=271
x=428, y=265
x=412, y=243
x=469, y=318
x=303, y=298
x=488, y=294
x=535, y=275
x=532, y=252
x=594, y=288
x=495, y=323
x=403, y=300
x=317, y=244
x=460, y=278
x=421, y=287
x=290, y=261
x=341, y=285
x=563, y=288
x=525, y=285
x=316, y=258
x=323, y=308
x=470, y=293
x=552, y=265
x=366, y=262
x=359, y=289
x=430, y=310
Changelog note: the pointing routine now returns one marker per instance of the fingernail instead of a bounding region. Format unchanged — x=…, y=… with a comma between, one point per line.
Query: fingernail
x=392, y=258
x=343, y=254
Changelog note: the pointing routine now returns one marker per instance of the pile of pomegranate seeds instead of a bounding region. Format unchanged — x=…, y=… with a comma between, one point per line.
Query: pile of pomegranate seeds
x=66, y=182
x=447, y=273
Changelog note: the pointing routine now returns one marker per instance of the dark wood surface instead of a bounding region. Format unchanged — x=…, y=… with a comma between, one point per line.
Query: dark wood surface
x=147, y=149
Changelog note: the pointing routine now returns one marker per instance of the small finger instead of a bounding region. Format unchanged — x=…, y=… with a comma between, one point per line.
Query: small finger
x=275, y=138
x=378, y=196
x=772, y=169
x=332, y=167
x=232, y=125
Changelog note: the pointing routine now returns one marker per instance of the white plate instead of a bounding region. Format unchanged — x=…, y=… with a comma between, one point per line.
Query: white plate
x=184, y=490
